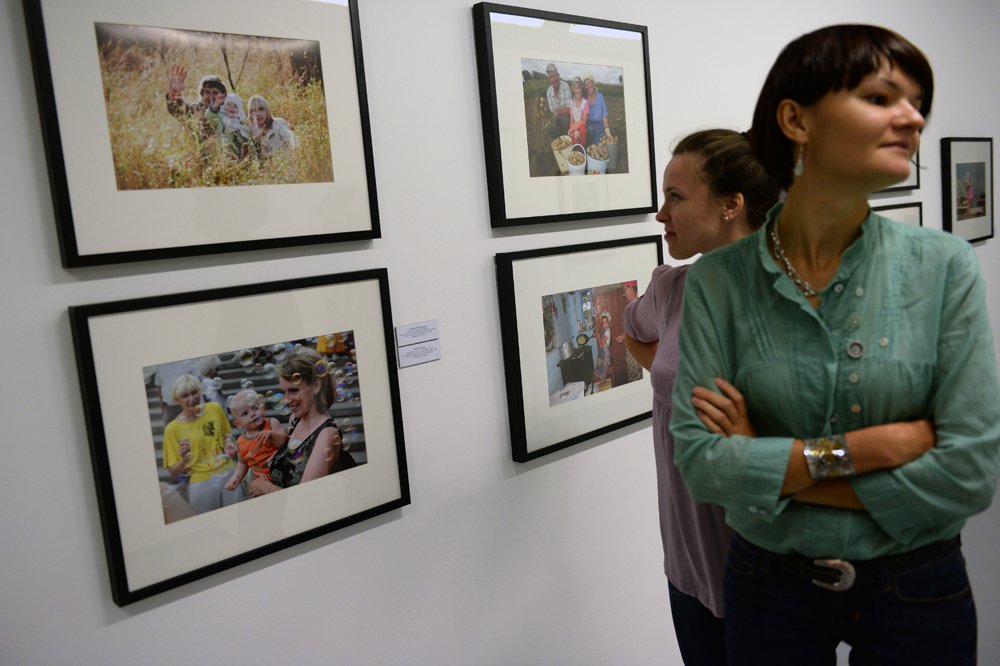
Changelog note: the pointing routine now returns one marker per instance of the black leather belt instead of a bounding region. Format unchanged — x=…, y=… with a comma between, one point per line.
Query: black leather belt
x=840, y=575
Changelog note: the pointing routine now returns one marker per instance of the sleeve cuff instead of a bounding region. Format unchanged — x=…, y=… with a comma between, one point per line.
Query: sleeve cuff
x=883, y=502
x=767, y=464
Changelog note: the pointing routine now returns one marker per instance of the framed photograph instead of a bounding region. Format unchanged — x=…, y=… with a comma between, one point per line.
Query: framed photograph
x=911, y=183
x=564, y=96
x=569, y=376
x=230, y=423
x=908, y=213
x=967, y=187
x=189, y=128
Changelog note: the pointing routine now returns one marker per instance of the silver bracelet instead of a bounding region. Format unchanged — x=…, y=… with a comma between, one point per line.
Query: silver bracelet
x=828, y=457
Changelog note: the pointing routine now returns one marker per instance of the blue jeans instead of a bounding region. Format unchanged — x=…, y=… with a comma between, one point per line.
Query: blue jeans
x=700, y=635
x=918, y=613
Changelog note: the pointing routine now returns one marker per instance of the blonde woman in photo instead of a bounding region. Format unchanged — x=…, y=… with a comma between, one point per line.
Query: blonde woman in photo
x=270, y=133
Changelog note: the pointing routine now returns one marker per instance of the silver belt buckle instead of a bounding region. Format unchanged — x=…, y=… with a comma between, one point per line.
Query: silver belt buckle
x=847, y=575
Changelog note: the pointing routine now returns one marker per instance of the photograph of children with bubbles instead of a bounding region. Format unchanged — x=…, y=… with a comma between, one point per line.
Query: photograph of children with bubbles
x=190, y=109
x=239, y=424
x=575, y=118
x=585, y=341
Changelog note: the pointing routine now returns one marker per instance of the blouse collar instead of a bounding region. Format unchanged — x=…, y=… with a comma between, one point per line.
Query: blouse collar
x=849, y=262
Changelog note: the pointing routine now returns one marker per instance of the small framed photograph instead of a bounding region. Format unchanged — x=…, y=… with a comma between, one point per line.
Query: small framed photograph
x=908, y=213
x=967, y=187
x=231, y=423
x=569, y=376
x=567, y=116
x=192, y=128
x=912, y=182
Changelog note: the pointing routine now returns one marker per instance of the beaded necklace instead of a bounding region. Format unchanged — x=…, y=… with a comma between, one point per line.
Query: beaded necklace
x=807, y=289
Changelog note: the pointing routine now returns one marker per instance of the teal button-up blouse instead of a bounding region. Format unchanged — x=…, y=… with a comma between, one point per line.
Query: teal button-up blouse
x=902, y=333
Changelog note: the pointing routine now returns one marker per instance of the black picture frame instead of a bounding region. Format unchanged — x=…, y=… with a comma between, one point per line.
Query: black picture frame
x=129, y=182
x=569, y=382
x=154, y=539
x=967, y=164
x=912, y=182
x=514, y=47
x=908, y=213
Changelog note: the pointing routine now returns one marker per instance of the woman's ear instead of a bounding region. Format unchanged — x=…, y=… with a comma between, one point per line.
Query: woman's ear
x=732, y=205
x=792, y=120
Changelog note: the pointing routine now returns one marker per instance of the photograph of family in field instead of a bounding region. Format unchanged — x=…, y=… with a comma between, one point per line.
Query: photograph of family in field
x=970, y=199
x=190, y=109
x=585, y=341
x=575, y=118
x=235, y=425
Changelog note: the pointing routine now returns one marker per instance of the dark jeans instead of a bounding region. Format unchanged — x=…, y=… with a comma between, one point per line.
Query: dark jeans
x=914, y=613
x=700, y=635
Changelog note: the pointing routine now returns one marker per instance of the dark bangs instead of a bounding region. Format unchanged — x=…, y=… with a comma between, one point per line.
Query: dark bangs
x=859, y=51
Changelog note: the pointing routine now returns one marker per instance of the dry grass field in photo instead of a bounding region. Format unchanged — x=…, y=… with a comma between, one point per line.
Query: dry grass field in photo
x=152, y=149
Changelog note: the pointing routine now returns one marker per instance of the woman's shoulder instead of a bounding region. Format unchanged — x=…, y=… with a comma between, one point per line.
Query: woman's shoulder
x=729, y=270
x=737, y=252
x=281, y=126
x=667, y=277
x=214, y=410
x=929, y=244
x=666, y=286
x=325, y=429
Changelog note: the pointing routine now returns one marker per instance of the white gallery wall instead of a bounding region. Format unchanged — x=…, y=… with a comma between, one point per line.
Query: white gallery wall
x=552, y=562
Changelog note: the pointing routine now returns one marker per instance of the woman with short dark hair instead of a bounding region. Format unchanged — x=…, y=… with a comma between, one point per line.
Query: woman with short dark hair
x=861, y=352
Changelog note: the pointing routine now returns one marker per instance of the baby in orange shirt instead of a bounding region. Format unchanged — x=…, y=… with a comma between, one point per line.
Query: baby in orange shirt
x=261, y=438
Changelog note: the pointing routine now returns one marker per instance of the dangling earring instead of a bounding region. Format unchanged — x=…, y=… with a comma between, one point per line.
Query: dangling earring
x=799, y=168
